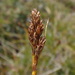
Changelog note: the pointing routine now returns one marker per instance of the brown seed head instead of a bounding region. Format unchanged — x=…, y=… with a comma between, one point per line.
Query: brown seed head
x=35, y=31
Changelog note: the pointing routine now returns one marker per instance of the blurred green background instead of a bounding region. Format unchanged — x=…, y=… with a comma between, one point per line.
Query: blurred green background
x=58, y=55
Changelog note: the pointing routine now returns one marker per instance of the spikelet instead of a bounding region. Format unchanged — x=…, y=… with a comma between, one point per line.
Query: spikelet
x=35, y=31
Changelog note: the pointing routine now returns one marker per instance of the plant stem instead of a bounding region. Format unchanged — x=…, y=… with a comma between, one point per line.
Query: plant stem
x=34, y=64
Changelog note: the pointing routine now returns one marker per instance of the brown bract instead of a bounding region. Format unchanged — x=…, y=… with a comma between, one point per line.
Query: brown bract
x=35, y=31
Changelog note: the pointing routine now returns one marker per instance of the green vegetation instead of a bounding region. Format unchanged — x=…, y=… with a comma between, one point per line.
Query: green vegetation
x=58, y=56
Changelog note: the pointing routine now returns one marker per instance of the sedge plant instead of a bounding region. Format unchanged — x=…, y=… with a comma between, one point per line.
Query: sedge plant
x=36, y=39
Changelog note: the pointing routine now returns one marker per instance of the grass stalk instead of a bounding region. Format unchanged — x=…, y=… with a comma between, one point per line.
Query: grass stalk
x=34, y=64
x=36, y=39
